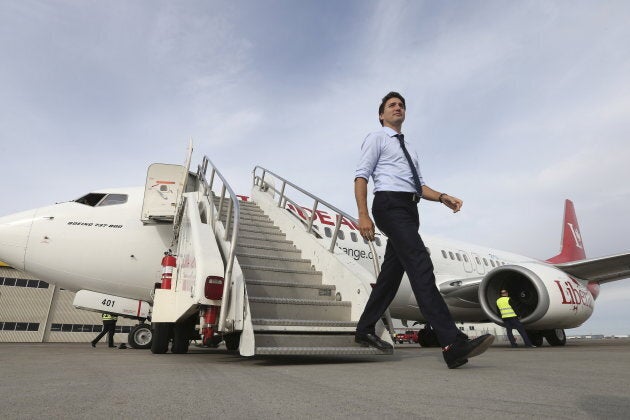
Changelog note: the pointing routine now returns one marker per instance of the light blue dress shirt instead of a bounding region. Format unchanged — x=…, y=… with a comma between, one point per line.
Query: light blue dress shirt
x=382, y=159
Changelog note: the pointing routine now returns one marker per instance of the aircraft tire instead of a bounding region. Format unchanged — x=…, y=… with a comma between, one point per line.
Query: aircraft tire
x=161, y=337
x=140, y=336
x=556, y=337
x=535, y=337
x=232, y=341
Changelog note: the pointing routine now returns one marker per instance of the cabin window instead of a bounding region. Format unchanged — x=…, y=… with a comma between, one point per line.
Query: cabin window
x=341, y=235
x=459, y=257
x=465, y=257
x=478, y=260
x=492, y=262
x=328, y=232
x=485, y=262
x=365, y=241
x=444, y=254
x=378, y=241
x=353, y=236
x=450, y=254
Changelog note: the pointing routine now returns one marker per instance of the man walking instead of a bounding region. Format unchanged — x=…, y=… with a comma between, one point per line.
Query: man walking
x=109, y=327
x=511, y=321
x=398, y=187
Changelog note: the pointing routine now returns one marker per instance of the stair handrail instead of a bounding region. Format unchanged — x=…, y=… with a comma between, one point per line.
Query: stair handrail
x=233, y=206
x=259, y=181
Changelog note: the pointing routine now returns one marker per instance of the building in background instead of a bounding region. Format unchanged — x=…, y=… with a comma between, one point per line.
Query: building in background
x=33, y=311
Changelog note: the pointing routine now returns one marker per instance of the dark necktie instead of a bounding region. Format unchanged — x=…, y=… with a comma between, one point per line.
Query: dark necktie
x=416, y=178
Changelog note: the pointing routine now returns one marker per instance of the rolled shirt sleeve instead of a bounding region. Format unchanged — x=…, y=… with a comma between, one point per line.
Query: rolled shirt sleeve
x=370, y=152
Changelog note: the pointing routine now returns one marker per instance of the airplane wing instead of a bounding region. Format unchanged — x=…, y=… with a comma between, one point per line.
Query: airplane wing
x=601, y=270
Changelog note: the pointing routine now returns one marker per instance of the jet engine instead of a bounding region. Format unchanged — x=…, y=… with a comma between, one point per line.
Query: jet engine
x=544, y=297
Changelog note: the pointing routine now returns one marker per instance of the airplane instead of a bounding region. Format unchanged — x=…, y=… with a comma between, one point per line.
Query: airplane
x=552, y=295
x=104, y=246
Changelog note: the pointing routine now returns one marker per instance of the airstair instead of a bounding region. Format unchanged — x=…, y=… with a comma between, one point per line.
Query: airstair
x=288, y=290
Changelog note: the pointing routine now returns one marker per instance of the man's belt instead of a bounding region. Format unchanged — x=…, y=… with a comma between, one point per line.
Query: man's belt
x=408, y=196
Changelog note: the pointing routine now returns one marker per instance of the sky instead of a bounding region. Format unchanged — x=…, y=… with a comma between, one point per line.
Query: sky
x=512, y=106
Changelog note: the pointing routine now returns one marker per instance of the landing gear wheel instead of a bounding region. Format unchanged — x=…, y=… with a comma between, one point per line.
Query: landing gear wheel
x=232, y=341
x=427, y=337
x=161, y=337
x=535, y=337
x=140, y=336
x=556, y=337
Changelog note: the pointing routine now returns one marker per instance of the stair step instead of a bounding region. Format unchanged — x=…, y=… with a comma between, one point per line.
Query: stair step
x=303, y=325
x=259, y=229
x=277, y=243
x=269, y=251
x=306, y=340
x=286, y=308
x=319, y=351
x=246, y=221
x=251, y=219
x=261, y=288
x=252, y=272
x=276, y=262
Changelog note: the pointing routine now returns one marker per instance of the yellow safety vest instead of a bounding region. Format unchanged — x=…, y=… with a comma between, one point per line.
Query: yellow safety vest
x=504, y=306
x=109, y=317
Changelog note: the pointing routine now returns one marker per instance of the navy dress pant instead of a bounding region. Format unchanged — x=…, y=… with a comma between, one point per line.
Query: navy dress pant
x=396, y=215
x=514, y=323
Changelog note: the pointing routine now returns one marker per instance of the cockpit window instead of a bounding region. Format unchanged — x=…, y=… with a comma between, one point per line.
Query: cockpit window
x=91, y=199
x=113, y=199
x=100, y=199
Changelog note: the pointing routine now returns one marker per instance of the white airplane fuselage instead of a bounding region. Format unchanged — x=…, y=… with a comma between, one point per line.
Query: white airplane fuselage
x=76, y=246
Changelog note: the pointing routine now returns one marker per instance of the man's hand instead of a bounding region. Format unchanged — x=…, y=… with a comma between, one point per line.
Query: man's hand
x=366, y=227
x=452, y=203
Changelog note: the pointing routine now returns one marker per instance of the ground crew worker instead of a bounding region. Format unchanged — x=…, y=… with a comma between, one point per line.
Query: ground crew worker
x=511, y=321
x=109, y=327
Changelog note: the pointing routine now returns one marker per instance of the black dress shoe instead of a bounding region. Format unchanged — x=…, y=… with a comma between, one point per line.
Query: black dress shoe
x=458, y=353
x=371, y=340
x=93, y=344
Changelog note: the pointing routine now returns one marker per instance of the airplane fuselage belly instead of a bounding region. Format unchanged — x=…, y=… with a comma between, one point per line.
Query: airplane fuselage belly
x=99, y=249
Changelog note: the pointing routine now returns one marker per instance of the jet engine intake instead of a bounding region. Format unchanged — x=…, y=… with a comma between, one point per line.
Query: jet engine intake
x=543, y=296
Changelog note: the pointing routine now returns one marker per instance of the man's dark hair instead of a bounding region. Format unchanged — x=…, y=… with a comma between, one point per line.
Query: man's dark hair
x=386, y=98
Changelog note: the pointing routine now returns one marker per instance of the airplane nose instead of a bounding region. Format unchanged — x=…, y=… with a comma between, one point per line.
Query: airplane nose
x=14, y=232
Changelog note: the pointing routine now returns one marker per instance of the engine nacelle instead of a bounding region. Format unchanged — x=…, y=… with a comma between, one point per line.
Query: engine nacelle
x=543, y=296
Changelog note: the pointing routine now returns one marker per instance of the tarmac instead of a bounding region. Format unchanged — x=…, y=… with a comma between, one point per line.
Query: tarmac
x=586, y=379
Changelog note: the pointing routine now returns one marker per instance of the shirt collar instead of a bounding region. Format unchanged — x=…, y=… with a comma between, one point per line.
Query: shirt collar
x=389, y=131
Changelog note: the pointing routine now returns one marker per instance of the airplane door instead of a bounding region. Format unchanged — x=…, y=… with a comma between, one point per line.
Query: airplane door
x=467, y=261
x=478, y=264
x=162, y=192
